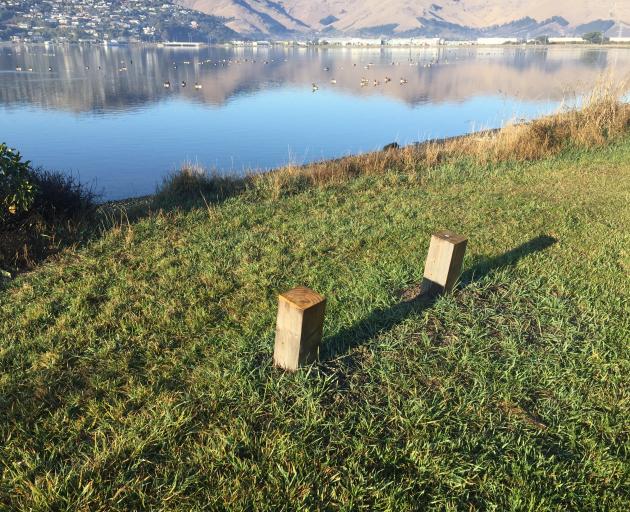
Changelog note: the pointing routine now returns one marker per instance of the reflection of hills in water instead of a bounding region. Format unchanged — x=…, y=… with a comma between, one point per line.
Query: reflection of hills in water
x=96, y=79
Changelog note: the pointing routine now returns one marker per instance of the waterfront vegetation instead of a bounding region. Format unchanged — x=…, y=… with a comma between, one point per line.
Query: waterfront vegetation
x=135, y=366
x=41, y=212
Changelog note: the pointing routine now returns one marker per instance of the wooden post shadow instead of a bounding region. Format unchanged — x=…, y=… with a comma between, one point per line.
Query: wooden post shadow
x=444, y=263
x=299, y=328
x=383, y=319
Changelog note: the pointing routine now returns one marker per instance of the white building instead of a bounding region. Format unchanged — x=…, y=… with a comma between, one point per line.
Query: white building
x=459, y=43
x=352, y=41
x=255, y=44
x=620, y=39
x=433, y=41
x=566, y=40
x=488, y=41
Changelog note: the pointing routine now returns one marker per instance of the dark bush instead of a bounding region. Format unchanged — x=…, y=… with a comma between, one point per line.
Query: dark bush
x=17, y=191
x=42, y=212
x=61, y=196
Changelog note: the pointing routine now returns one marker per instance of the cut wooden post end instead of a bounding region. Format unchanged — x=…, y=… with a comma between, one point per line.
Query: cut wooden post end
x=299, y=328
x=444, y=262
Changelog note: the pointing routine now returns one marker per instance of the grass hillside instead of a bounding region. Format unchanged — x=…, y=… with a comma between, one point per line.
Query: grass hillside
x=135, y=371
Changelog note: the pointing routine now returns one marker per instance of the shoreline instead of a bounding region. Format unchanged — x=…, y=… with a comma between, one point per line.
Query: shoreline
x=295, y=44
x=134, y=201
x=452, y=148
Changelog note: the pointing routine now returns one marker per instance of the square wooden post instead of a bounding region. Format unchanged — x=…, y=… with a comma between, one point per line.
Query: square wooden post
x=444, y=262
x=299, y=328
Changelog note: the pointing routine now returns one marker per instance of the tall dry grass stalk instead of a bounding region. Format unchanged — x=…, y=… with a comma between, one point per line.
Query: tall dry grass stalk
x=192, y=180
x=601, y=117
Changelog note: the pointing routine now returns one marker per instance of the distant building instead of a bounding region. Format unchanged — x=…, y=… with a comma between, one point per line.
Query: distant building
x=250, y=43
x=566, y=40
x=351, y=41
x=620, y=39
x=434, y=41
x=459, y=43
x=181, y=44
x=488, y=41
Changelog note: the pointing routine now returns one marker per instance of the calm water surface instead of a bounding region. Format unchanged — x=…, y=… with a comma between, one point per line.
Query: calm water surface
x=104, y=114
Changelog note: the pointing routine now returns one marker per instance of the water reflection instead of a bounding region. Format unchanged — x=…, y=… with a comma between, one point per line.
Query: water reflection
x=100, y=80
x=105, y=114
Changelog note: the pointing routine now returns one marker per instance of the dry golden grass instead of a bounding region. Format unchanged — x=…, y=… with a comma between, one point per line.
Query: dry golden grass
x=603, y=116
x=192, y=180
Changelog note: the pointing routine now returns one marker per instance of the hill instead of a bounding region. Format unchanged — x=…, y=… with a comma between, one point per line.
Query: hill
x=138, y=20
x=420, y=17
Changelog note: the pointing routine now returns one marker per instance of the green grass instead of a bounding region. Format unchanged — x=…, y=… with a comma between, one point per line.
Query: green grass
x=135, y=372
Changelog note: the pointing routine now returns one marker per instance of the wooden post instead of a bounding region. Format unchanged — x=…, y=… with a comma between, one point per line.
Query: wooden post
x=299, y=328
x=444, y=262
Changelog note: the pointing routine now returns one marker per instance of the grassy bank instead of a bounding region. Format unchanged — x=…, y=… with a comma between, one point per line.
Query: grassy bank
x=135, y=372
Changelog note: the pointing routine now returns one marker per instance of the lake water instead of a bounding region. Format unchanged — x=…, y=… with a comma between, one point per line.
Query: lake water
x=104, y=114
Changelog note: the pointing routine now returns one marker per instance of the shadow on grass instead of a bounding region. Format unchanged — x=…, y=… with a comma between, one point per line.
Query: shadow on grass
x=413, y=302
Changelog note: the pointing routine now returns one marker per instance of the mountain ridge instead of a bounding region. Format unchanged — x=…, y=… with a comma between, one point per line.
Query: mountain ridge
x=446, y=18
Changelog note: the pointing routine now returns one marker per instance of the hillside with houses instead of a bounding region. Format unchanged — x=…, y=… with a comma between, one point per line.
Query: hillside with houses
x=107, y=20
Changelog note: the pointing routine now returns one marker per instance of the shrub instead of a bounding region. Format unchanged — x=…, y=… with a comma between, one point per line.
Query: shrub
x=192, y=182
x=52, y=211
x=61, y=196
x=17, y=191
